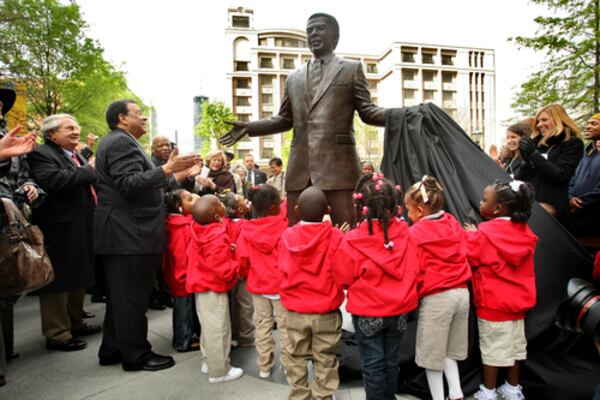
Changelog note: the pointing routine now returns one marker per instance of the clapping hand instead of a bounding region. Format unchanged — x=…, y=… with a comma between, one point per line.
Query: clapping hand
x=12, y=146
x=235, y=134
x=526, y=148
x=178, y=163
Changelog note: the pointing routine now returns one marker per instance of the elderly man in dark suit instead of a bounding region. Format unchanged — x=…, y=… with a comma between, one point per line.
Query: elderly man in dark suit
x=129, y=235
x=319, y=103
x=66, y=218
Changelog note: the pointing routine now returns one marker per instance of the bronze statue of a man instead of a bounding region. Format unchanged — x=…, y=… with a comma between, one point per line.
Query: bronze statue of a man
x=319, y=103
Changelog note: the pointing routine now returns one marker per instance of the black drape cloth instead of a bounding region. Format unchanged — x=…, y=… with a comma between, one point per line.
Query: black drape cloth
x=424, y=140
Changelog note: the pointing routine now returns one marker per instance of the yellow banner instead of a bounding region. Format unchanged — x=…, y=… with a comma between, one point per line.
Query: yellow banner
x=18, y=113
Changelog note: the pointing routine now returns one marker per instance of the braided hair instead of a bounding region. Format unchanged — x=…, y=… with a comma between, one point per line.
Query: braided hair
x=263, y=197
x=174, y=201
x=516, y=197
x=429, y=192
x=377, y=198
x=231, y=204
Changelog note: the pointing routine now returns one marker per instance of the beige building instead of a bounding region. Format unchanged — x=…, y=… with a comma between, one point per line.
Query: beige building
x=461, y=80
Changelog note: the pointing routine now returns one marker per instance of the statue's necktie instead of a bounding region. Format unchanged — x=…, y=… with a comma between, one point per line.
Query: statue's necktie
x=316, y=73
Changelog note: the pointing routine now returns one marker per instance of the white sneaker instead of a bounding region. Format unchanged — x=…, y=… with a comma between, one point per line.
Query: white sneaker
x=264, y=374
x=233, y=374
x=234, y=344
x=511, y=393
x=204, y=368
x=485, y=394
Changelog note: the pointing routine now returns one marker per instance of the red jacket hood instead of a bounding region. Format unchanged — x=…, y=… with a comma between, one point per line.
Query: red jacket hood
x=447, y=242
x=205, y=234
x=264, y=233
x=177, y=220
x=513, y=241
x=308, y=245
x=372, y=246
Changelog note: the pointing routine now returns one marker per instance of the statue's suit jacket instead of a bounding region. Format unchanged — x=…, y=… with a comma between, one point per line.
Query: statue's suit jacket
x=323, y=149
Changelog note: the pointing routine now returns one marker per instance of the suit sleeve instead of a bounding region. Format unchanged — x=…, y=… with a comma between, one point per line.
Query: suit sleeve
x=282, y=122
x=126, y=167
x=369, y=113
x=563, y=168
x=54, y=178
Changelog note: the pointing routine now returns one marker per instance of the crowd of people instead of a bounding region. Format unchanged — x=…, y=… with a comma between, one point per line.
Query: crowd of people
x=222, y=244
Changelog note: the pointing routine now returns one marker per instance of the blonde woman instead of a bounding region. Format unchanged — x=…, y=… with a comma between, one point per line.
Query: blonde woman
x=223, y=179
x=552, y=154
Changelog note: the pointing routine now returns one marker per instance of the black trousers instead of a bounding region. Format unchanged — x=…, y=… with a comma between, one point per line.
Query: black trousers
x=129, y=281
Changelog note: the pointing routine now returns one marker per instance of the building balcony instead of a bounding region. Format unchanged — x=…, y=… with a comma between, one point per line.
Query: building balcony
x=267, y=107
x=410, y=102
x=243, y=109
x=243, y=92
x=430, y=85
x=267, y=90
x=449, y=104
x=449, y=86
x=410, y=85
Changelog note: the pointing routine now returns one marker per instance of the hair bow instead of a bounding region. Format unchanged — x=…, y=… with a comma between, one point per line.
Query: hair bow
x=515, y=185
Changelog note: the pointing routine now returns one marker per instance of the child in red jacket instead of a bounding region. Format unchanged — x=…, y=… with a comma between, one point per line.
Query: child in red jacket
x=443, y=325
x=212, y=272
x=378, y=265
x=257, y=253
x=309, y=293
x=240, y=300
x=179, y=205
x=501, y=254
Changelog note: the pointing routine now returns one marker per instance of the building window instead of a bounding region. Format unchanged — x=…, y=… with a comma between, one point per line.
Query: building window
x=409, y=94
x=266, y=81
x=262, y=42
x=448, y=57
x=267, y=152
x=408, y=74
x=267, y=99
x=288, y=63
x=266, y=114
x=408, y=55
x=427, y=58
x=242, y=83
x=371, y=68
x=243, y=117
x=240, y=22
x=305, y=59
x=372, y=85
x=284, y=42
x=243, y=101
x=448, y=77
x=242, y=153
x=448, y=96
x=241, y=65
x=429, y=76
x=266, y=62
x=429, y=95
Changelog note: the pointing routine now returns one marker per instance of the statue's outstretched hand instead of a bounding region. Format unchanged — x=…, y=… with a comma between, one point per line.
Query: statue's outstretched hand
x=235, y=134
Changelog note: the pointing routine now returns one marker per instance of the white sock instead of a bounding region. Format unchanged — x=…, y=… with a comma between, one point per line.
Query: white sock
x=436, y=383
x=453, y=378
x=486, y=390
x=511, y=387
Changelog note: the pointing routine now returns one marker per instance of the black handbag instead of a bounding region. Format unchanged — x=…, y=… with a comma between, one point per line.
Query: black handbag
x=24, y=262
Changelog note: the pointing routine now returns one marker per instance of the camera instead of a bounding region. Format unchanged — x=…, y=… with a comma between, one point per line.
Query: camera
x=580, y=311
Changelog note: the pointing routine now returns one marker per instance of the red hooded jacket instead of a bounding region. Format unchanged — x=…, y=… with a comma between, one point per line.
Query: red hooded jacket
x=442, y=251
x=234, y=227
x=257, y=252
x=174, y=259
x=212, y=266
x=380, y=282
x=501, y=254
x=305, y=255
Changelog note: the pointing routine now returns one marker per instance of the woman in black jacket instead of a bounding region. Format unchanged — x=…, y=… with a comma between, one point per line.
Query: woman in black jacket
x=552, y=154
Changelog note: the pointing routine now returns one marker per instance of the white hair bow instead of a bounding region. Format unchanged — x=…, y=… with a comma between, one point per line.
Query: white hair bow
x=515, y=185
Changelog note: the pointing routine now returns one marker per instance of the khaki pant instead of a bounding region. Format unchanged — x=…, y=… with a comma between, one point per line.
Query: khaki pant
x=242, y=310
x=265, y=344
x=313, y=337
x=502, y=343
x=215, y=339
x=60, y=313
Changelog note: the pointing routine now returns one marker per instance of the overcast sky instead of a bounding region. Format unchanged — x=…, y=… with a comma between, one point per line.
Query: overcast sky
x=174, y=50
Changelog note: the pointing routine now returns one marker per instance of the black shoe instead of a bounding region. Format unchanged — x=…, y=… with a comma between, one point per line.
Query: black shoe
x=156, y=305
x=72, y=344
x=155, y=362
x=87, y=315
x=110, y=360
x=85, y=329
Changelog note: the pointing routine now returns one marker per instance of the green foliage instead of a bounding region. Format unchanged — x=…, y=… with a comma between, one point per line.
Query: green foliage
x=367, y=141
x=286, y=145
x=568, y=38
x=64, y=70
x=212, y=124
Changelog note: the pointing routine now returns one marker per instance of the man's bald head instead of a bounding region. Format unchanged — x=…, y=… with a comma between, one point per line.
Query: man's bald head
x=207, y=209
x=161, y=147
x=312, y=205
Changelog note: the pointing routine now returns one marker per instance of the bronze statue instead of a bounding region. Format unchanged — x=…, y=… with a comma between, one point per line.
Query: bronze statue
x=319, y=103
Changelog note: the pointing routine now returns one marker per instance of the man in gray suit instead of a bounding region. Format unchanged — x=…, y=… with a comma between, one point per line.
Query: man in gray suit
x=129, y=235
x=319, y=103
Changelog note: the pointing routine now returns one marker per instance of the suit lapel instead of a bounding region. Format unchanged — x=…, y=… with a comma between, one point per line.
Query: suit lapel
x=303, y=74
x=334, y=67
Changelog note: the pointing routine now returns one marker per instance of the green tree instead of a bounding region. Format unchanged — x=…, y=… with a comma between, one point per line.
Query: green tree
x=286, y=146
x=64, y=70
x=367, y=141
x=212, y=124
x=570, y=40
